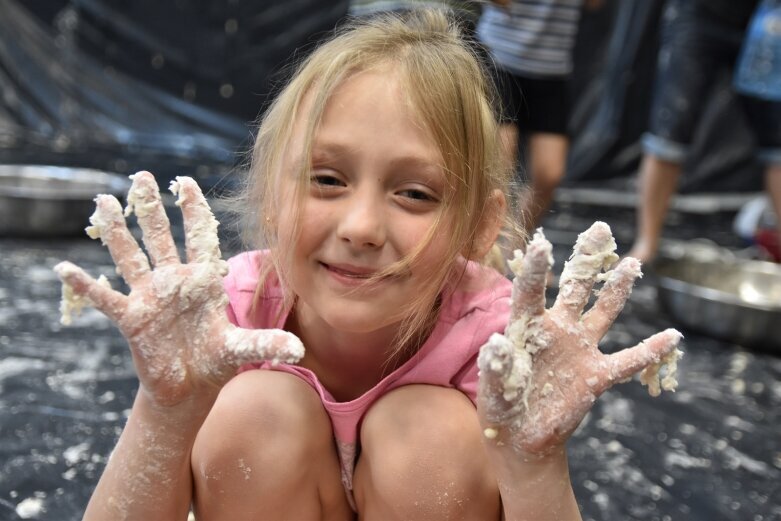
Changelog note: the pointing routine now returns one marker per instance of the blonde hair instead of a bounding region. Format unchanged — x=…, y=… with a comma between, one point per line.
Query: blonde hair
x=449, y=91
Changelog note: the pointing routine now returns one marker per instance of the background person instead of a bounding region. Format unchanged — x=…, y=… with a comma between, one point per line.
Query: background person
x=700, y=40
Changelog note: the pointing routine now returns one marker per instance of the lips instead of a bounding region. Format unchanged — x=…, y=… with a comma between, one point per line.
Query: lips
x=349, y=271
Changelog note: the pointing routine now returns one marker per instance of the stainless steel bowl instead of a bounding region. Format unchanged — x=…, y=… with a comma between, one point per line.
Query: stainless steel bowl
x=48, y=200
x=708, y=289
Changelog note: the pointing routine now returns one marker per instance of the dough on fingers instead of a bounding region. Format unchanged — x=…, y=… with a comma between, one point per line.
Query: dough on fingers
x=144, y=200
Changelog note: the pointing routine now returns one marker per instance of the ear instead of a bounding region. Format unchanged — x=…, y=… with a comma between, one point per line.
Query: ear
x=489, y=228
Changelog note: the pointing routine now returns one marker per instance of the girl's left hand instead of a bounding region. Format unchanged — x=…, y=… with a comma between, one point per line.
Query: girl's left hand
x=539, y=379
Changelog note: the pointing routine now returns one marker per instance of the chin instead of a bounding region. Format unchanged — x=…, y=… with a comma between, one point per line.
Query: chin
x=357, y=322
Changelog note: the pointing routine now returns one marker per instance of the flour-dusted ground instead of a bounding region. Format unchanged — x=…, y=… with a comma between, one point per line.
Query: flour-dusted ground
x=709, y=452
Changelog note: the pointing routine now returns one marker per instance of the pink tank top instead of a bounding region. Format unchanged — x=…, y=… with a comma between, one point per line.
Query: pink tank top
x=478, y=307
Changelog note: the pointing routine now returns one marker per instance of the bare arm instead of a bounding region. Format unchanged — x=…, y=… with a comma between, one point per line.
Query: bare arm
x=539, y=379
x=183, y=346
x=148, y=474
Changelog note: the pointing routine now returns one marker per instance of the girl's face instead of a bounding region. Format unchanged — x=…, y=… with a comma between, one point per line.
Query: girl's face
x=375, y=190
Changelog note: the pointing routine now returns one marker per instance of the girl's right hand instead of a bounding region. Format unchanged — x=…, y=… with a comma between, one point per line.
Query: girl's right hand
x=174, y=317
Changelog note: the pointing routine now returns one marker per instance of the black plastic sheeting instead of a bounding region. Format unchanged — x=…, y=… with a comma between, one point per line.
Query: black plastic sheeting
x=709, y=452
x=169, y=86
x=175, y=86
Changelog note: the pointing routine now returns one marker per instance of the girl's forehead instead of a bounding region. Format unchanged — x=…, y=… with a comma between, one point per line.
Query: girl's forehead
x=343, y=93
x=373, y=100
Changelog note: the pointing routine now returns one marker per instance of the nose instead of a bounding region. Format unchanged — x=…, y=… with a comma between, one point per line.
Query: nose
x=362, y=223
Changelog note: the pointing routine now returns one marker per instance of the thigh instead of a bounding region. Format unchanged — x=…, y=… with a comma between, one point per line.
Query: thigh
x=267, y=450
x=422, y=457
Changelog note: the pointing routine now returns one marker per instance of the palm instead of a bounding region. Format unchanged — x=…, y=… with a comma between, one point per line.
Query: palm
x=174, y=316
x=571, y=371
x=540, y=379
x=188, y=323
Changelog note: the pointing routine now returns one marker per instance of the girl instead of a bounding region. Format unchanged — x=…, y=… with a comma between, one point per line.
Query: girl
x=376, y=187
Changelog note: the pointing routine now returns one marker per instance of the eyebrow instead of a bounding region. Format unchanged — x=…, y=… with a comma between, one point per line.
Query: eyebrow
x=412, y=162
x=329, y=149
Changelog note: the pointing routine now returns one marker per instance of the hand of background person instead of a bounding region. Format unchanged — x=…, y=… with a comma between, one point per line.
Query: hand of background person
x=539, y=380
x=174, y=317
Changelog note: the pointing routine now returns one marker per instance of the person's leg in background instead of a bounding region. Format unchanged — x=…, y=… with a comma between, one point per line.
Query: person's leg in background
x=765, y=119
x=546, y=168
x=658, y=184
x=773, y=187
x=546, y=120
x=696, y=47
x=529, y=49
x=512, y=110
x=540, y=108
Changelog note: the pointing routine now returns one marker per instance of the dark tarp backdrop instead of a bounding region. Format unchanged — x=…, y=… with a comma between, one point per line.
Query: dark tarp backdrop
x=175, y=86
x=171, y=87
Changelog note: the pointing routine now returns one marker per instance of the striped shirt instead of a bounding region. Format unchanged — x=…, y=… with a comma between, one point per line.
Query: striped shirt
x=532, y=38
x=463, y=9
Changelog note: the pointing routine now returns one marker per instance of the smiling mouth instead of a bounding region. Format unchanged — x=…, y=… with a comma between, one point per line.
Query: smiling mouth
x=347, y=273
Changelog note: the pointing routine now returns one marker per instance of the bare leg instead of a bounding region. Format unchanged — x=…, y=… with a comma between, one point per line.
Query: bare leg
x=422, y=458
x=266, y=451
x=547, y=165
x=658, y=184
x=773, y=187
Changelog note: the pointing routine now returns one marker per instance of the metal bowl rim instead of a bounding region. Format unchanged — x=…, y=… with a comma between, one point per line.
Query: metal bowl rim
x=713, y=295
x=110, y=183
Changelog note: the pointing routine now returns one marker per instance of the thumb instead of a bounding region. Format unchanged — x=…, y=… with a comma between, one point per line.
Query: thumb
x=504, y=377
x=79, y=289
x=258, y=345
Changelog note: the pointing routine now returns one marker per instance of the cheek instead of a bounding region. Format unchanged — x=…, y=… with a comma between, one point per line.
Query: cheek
x=436, y=250
x=290, y=213
x=303, y=231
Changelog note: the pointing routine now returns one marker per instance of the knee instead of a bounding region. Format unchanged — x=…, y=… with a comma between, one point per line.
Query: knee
x=414, y=427
x=423, y=443
x=261, y=416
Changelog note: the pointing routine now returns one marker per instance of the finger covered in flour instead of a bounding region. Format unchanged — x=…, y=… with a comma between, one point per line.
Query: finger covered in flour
x=144, y=200
x=531, y=272
x=612, y=297
x=594, y=252
x=657, y=352
x=501, y=374
x=200, y=225
x=255, y=345
x=108, y=224
x=79, y=290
